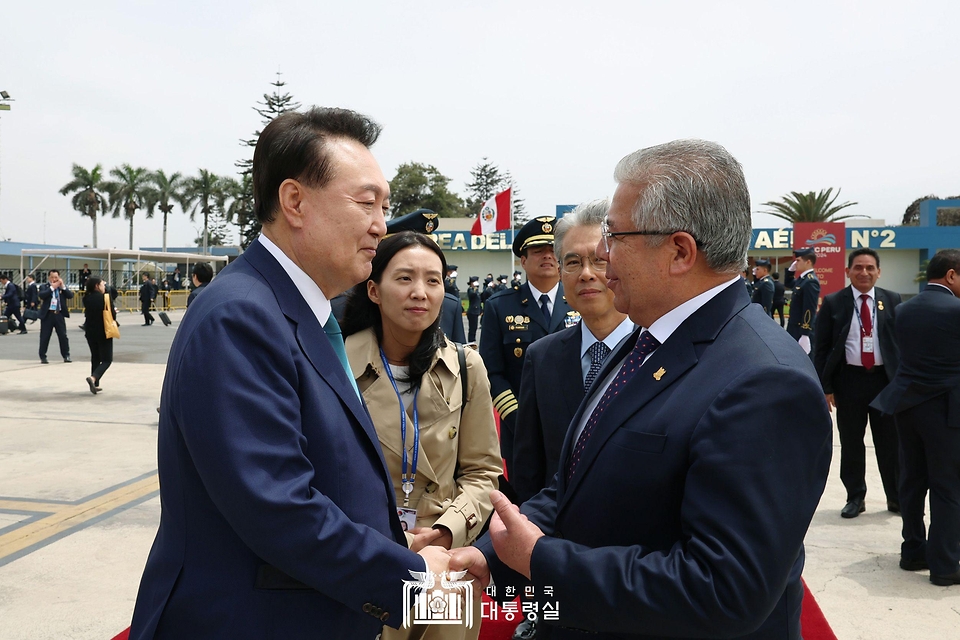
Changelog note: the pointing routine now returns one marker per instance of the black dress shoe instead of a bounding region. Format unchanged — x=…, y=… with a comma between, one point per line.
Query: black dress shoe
x=526, y=630
x=853, y=509
x=67, y=359
x=893, y=506
x=946, y=581
x=920, y=564
x=44, y=361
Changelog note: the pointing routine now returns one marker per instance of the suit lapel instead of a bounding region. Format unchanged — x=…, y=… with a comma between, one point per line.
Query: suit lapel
x=560, y=308
x=669, y=362
x=571, y=385
x=312, y=338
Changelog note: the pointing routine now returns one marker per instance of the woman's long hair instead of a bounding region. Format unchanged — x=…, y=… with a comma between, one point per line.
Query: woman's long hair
x=92, y=282
x=362, y=313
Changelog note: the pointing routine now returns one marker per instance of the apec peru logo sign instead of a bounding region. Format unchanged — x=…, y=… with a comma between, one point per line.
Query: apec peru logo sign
x=821, y=237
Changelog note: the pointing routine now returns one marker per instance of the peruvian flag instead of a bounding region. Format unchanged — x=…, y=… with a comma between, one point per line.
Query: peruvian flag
x=496, y=215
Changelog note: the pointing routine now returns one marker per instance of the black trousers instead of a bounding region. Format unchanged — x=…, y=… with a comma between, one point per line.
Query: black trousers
x=930, y=459
x=13, y=311
x=101, y=357
x=472, y=322
x=778, y=309
x=47, y=326
x=855, y=389
x=145, y=310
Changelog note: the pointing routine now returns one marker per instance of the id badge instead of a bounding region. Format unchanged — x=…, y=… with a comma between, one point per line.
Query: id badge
x=867, y=345
x=408, y=518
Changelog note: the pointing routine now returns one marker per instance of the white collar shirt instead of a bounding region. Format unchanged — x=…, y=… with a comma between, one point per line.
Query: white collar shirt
x=661, y=329
x=852, y=345
x=552, y=294
x=309, y=289
x=587, y=340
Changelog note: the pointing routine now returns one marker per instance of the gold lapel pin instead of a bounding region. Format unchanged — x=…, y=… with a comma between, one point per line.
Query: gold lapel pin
x=880, y=305
x=659, y=374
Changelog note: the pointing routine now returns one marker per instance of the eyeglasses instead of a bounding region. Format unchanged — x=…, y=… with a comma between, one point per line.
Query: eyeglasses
x=573, y=263
x=606, y=234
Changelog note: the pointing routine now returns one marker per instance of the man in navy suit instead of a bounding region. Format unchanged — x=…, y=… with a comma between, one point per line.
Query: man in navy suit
x=856, y=356
x=278, y=517
x=557, y=368
x=683, y=494
x=924, y=398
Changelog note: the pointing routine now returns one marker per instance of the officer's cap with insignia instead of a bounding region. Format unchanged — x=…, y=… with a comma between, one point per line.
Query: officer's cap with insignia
x=762, y=263
x=502, y=278
x=538, y=231
x=421, y=221
x=804, y=253
x=452, y=267
x=474, y=279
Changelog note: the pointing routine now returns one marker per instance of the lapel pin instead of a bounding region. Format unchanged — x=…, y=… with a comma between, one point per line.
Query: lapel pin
x=659, y=374
x=880, y=305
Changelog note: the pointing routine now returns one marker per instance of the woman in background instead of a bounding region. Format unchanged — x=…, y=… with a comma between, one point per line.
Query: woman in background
x=101, y=347
x=442, y=453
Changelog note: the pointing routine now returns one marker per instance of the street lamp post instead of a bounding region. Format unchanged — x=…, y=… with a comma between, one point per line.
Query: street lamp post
x=5, y=99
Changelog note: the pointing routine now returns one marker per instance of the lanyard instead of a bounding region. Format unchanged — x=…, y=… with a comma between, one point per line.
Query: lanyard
x=856, y=307
x=406, y=483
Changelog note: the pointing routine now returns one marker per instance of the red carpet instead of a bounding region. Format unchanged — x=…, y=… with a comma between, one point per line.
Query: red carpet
x=812, y=623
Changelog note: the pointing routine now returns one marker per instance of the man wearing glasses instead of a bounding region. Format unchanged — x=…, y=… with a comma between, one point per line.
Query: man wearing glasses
x=682, y=495
x=558, y=369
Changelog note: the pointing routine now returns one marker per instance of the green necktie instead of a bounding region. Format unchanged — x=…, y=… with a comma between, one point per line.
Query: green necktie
x=332, y=329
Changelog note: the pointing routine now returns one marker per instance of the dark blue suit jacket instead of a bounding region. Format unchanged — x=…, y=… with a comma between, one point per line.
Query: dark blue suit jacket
x=687, y=513
x=551, y=390
x=278, y=516
x=929, y=340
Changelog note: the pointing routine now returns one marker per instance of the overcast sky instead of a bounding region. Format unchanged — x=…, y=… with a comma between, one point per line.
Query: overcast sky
x=857, y=95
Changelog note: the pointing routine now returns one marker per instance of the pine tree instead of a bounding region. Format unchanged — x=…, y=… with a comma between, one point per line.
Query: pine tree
x=487, y=181
x=269, y=108
x=520, y=216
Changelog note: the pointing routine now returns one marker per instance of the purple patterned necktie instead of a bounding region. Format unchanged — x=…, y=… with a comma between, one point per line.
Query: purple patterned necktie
x=646, y=343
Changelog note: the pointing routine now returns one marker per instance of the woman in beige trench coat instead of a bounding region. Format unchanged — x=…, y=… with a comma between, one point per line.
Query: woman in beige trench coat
x=398, y=354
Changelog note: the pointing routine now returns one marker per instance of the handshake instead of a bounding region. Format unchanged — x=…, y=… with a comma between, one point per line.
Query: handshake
x=513, y=537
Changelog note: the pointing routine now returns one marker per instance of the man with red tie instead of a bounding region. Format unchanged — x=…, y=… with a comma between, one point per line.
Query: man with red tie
x=856, y=356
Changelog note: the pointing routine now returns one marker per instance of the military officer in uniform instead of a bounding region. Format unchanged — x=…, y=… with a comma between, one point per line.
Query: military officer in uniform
x=806, y=297
x=516, y=283
x=763, y=287
x=514, y=318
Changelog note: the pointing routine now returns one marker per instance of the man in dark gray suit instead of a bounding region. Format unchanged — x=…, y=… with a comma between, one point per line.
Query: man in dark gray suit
x=924, y=398
x=856, y=356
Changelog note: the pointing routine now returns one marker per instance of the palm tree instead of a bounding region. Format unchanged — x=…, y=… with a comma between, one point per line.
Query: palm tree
x=129, y=191
x=202, y=194
x=809, y=207
x=88, y=188
x=167, y=190
x=240, y=211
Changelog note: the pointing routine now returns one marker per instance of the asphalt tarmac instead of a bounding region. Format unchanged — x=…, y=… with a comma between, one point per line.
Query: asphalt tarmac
x=79, y=505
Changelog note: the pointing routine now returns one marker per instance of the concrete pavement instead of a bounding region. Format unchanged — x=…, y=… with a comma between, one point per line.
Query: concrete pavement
x=79, y=506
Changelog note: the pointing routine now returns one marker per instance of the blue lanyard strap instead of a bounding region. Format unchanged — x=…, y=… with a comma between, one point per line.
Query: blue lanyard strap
x=406, y=483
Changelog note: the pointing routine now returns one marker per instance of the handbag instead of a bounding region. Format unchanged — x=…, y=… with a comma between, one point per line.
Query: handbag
x=31, y=314
x=110, y=327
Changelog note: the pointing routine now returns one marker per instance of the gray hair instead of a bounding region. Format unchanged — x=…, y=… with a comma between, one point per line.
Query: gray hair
x=588, y=214
x=694, y=186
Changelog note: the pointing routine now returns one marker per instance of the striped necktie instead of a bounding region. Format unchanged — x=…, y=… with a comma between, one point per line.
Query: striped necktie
x=598, y=353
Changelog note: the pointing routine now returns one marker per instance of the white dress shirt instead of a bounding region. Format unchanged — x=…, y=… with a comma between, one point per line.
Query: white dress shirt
x=552, y=294
x=587, y=340
x=309, y=289
x=852, y=345
x=661, y=329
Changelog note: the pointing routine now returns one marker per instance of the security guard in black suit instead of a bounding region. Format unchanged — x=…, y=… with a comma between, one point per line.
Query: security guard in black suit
x=451, y=313
x=763, y=287
x=806, y=298
x=514, y=318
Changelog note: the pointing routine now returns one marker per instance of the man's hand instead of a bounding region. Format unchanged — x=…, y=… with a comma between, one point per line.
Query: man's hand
x=512, y=534
x=437, y=559
x=423, y=536
x=831, y=404
x=471, y=560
